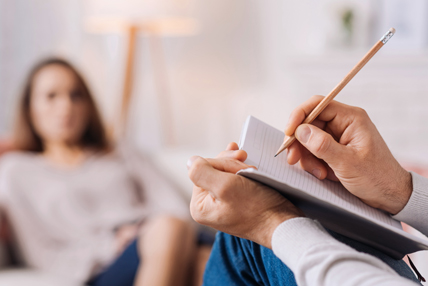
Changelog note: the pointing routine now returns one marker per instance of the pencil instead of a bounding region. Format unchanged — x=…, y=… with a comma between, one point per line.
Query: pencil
x=323, y=104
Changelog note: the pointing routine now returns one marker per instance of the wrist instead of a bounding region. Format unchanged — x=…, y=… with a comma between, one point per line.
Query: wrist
x=399, y=192
x=273, y=221
x=405, y=191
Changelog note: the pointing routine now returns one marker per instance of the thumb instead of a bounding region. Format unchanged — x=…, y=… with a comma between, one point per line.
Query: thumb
x=319, y=143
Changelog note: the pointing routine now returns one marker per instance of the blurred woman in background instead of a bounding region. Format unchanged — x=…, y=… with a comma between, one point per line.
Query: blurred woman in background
x=81, y=208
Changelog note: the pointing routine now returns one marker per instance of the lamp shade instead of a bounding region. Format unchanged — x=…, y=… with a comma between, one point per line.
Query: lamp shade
x=140, y=9
x=167, y=17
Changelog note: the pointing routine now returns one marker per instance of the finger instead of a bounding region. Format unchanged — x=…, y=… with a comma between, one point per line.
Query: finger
x=208, y=178
x=203, y=174
x=294, y=154
x=228, y=165
x=240, y=155
x=232, y=146
x=336, y=114
x=299, y=114
x=313, y=165
x=320, y=143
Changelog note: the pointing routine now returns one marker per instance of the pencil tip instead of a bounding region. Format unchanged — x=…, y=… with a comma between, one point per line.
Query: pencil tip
x=275, y=155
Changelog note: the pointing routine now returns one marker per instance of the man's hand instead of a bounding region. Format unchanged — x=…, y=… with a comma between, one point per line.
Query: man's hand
x=343, y=144
x=234, y=204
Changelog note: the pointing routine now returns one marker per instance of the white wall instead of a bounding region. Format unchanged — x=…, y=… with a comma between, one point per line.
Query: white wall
x=32, y=30
x=251, y=57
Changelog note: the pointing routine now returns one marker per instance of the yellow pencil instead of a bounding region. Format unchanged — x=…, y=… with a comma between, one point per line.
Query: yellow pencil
x=323, y=104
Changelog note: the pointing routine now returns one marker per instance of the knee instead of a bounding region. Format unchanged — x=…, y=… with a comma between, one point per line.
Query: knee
x=172, y=222
x=169, y=225
x=163, y=234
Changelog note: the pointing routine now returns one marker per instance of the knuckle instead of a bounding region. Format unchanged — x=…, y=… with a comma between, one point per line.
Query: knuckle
x=360, y=112
x=195, y=169
x=361, y=116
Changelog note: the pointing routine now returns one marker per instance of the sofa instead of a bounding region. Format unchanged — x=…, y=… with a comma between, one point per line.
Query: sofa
x=172, y=162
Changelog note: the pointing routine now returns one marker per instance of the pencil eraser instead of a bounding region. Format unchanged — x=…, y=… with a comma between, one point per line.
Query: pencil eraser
x=387, y=36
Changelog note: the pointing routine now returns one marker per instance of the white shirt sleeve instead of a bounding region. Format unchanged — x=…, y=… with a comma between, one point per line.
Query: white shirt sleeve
x=316, y=258
x=415, y=213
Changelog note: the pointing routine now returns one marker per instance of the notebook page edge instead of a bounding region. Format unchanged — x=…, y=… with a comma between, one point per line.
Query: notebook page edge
x=244, y=132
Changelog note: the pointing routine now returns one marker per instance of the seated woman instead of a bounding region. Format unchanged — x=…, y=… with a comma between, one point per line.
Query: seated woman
x=80, y=208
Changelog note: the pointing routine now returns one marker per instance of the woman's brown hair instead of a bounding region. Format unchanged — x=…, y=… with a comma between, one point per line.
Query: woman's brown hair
x=25, y=135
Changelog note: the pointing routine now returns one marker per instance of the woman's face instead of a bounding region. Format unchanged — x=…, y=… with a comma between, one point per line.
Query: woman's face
x=59, y=111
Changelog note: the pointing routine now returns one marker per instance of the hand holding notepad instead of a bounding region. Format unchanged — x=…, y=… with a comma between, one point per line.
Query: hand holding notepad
x=324, y=200
x=233, y=204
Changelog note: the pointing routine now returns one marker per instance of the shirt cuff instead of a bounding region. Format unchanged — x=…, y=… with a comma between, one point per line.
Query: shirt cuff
x=415, y=211
x=292, y=238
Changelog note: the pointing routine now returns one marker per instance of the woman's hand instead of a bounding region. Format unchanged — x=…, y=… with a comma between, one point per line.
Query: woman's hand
x=234, y=204
x=343, y=144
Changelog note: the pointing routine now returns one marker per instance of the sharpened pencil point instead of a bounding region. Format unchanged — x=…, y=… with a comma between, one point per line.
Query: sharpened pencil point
x=275, y=155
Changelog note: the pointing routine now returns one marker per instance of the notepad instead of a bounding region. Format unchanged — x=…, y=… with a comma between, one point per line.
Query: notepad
x=327, y=201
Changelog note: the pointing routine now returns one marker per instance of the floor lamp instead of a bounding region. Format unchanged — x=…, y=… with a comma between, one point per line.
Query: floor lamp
x=154, y=30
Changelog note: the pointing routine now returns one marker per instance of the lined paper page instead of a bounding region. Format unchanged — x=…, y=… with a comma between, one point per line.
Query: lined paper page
x=261, y=142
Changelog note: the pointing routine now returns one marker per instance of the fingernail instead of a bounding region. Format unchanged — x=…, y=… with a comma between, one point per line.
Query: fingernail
x=303, y=133
x=190, y=161
x=316, y=173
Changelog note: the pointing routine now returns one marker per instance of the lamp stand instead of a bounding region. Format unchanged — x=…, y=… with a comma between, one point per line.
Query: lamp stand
x=161, y=84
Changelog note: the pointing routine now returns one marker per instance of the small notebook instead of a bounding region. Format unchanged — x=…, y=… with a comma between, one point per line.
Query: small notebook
x=327, y=201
